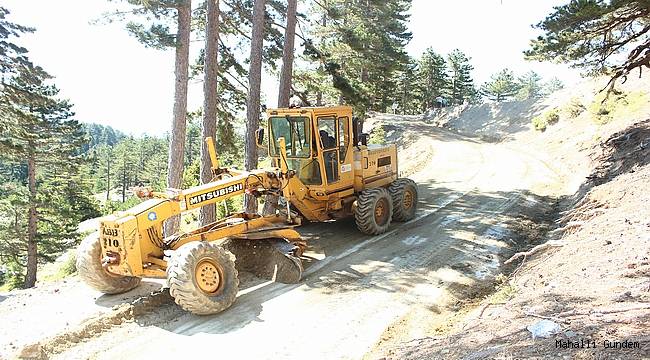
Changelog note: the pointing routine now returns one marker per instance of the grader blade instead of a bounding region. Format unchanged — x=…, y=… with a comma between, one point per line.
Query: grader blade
x=273, y=259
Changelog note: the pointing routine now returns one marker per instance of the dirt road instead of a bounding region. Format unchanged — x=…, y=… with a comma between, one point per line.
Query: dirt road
x=355, y=286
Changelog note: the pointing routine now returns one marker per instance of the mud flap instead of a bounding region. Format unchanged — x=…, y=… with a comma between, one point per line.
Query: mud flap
x=268, y=258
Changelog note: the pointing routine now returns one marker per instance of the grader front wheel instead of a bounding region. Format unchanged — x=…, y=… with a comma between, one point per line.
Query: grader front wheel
x=374, y=211
x=91, y=271
x=202, y=278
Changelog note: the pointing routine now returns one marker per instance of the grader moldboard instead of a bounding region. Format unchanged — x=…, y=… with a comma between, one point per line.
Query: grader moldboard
x=325, y=170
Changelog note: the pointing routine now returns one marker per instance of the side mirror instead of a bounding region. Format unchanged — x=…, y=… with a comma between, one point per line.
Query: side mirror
x=259, y=137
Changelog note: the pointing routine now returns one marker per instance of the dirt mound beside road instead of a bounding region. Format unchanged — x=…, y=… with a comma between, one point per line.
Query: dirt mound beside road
x=595, y=285
x=511, y=120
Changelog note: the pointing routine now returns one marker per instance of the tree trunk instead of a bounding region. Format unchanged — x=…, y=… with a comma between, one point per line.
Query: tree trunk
x=189, y=150
x=124, y=178
x=287, y=58
x=208, y=212
x=321, y=68
x=177, y=142
x=32, y=250
x=108, y=177
x=253, y=100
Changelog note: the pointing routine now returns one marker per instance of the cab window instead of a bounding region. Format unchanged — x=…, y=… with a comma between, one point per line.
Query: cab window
x=296, y=133
x=327, y=132
x=343, y=138
x=329, y=144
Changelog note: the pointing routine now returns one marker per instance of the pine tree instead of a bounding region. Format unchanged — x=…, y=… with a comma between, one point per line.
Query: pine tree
x=434, y=81
x=553, y=85
x=601, y=37
x=194, y=138
x=105, y=173
x=408, y=94
x=210, y=99
x=125, y=170
x=14, y=61
x=361, y=46
x=149, y=24
x=37, y=130
x=502, y=86
x=253, y=100
x=530, y=86
x=462, y=84
x=177, y=141
x=286, y=75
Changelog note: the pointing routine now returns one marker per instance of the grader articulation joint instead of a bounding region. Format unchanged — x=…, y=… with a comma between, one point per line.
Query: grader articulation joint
x=321, y=171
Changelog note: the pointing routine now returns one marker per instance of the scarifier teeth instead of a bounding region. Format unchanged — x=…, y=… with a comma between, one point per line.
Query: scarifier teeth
x=269, y=259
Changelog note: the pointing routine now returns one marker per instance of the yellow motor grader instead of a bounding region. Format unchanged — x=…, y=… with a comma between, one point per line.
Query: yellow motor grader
x=323, y=169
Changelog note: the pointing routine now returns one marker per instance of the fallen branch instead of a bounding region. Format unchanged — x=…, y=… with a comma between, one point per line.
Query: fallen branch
x=544, y=317
x=551, y=243
x=486, y=306
x=509, y=335
x=603, y=312
x=581, y=215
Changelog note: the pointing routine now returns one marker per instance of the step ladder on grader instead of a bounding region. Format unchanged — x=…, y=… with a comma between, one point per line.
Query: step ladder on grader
x=323, y=169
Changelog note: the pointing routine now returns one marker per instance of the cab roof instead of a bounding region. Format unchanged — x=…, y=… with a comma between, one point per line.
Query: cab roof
x=316, y=110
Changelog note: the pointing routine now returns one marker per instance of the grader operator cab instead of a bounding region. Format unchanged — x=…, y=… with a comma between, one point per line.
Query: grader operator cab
x=322, y=170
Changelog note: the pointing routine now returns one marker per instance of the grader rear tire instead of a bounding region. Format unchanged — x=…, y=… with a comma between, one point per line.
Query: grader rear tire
x=90, y=269
x=374, y=211
x=404, y=193
x=202, y=278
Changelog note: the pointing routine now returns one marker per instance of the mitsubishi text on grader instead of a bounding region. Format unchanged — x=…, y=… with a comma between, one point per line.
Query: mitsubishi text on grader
x=323, y=170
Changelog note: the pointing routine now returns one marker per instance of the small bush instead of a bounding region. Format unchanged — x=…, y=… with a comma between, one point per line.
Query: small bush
x=69, y=265
x=539, y=123
x=573, y=108
x=605, y=108
x=64, y=266
x=14, y=277
x=602, y=107
x=552, y=116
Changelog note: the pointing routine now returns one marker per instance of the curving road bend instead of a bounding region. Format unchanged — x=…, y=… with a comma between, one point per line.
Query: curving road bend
x=355, y=286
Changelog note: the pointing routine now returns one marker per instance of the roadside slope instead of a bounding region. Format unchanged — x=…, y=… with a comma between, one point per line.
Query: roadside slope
x=595, y=284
